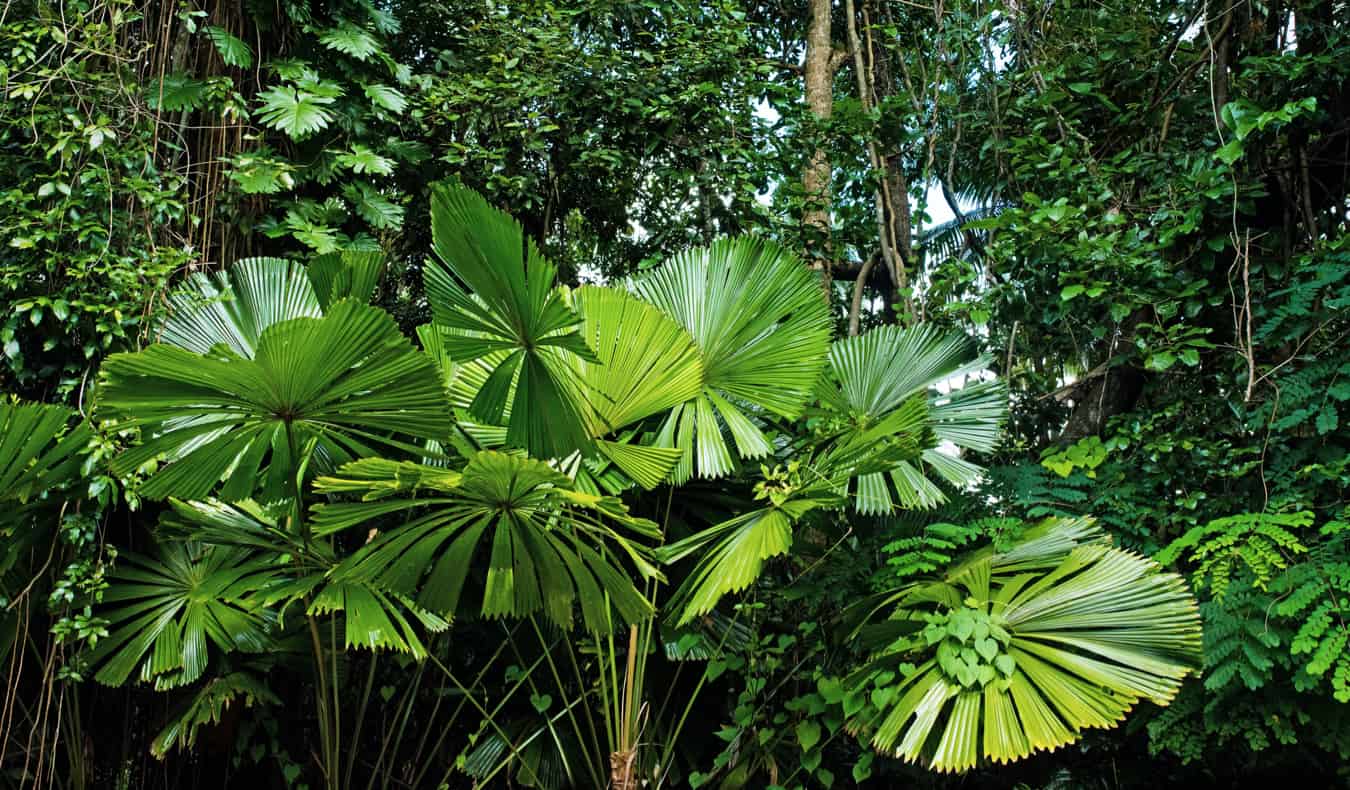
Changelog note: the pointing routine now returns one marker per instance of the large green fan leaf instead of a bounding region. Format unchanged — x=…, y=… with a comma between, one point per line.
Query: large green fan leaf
x=338, y=383
x=490, y=290
x=731, y=555
x=884, y=389
x=762, y=326
x=166, y=612
x=234, y=306
x=646, y=364
x=547, y=546
x=1024, y=650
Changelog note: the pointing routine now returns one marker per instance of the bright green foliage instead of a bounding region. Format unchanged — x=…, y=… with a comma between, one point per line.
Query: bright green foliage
x=762, y=328
x=548, y=546
x=234, y=306
x=937, y=545
x=511, y=305
x=37, y=453
x=882, y=387
x=233, y=51
x=221, y=420
x=1306, y=613
x=1261, y=543
x=645, y=365
x=1007, y=653
x=169, y=611
x=86, y=208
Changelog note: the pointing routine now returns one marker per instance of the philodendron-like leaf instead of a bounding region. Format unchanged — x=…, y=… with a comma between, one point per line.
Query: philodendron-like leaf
x=762, y=326
x=166, y=612
x=547, y=546
x=1010, y=653
x=340, y=384
x=886, y=387
x=645, y=364
x=492, y=291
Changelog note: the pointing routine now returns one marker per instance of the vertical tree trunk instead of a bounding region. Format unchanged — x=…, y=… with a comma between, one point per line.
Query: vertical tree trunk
x=818, y=71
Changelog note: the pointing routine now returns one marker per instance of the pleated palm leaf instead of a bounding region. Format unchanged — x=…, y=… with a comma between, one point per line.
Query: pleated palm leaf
x=642, y=363
x=235, y=305
x=39, y=452
x=372, y=618
x=1015, y=652
x=882, y=388
x=645, y=364
x=731, y=554
x=40, y=462
x=491, y=290
x=548, y=547
x=335, y=386
x=168, y=611
x=762, y=325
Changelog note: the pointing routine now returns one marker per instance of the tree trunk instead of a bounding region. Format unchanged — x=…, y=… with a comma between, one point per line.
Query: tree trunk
x=818, y=71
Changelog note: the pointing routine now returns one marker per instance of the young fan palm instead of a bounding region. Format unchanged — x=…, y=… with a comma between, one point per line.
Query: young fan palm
x=1008, y=653
x=315, y=461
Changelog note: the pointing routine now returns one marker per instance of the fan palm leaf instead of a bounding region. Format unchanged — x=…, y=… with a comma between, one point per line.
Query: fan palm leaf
x=645, y=364
x=349, y=274
x=37, y=452
x=762, y=326
x=882, y=389
x=548, y=546
x=491, y=290
x=234, y=306
x=340, y=383
x=1016, y=652
x=167, y=611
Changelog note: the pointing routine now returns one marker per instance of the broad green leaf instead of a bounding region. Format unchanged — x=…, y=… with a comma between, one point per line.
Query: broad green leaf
x=176, y=92
x=232, y=50
x=294, y=110
x=1081, y=632
x=388, y=98
x=234, y=306
x=490, y=291
x=350, y=274
x=373, y=206
x=166, y=613
x=222, y=421
x=38, y=452
x=546, y=547
x=363, y=160
x=898, y=392
x=350, y=40
x=762, y=326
